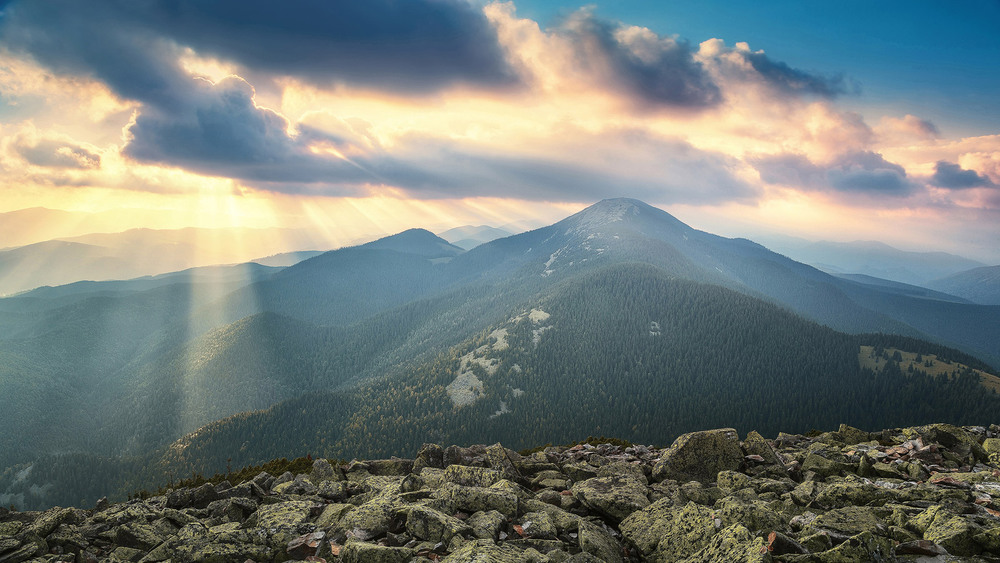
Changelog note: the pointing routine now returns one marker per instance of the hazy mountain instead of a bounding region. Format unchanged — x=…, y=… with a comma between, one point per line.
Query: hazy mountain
x=139, y=252
x=38, y=224
x=469, y=236
x=286, y=258
x=979, y=285
x=620, y=318
x=878, y=260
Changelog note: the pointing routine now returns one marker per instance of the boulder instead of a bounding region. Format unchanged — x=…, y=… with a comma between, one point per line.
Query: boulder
x=614, y=497
x=700, y=456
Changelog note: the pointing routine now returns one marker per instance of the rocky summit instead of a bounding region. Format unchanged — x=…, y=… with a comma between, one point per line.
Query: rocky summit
x=927, y=493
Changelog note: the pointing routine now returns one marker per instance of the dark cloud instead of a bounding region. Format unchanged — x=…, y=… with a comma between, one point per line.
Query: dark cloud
x=953, y=177
x=858, y=172
x=868, y=172
x=793, y=80
x=416, y=45
x=56, y=154
x=435, y=168
x=653, y=71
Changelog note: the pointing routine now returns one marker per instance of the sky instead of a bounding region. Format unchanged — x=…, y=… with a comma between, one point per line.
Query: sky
x=852, y=120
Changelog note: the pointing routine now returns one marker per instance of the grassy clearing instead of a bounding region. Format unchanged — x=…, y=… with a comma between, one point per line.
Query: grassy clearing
x=927, y=363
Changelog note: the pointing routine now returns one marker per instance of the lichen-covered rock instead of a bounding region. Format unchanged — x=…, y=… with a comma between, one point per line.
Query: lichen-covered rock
x=599, y=543
x=475, y=499
x=484, y=551
x=615, y=497
x=363, y=552
x=486, y=524
x=700, y=456
x=950, y=531
x=670, y=531
x=734, y=543
x=837, y=496
x=847, y=521
x=371, y=519
x=472, y=476
x=755, y=515
x=432, y=525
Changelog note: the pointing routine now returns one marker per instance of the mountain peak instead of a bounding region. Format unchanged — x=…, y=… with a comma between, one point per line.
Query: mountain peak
x=623, y=211
x=417, y=241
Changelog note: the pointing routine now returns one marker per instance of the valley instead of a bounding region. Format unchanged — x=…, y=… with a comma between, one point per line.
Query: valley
x=619, y=320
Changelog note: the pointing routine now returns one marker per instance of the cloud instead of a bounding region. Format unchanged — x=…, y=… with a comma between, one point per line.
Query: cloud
x=953, y=177
x=793, y=80
x=653, y=70
x=861, y=172
x=55, y=153
x=412, y=46
x=909, y=128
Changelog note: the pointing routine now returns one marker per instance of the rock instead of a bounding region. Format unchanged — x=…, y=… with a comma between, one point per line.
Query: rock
x=927, y=489
x=700, y=456
x=595, y=541
x=734, y=543
x=432, y=525
x=950, y=531
x=307, y=545
x=614, y=497
x=669, y=531
x=484, y=551
x=323, y=470
x=475, y=499
x=430, y=455
x=862, y=547
x=363, y=552
x=486, y=524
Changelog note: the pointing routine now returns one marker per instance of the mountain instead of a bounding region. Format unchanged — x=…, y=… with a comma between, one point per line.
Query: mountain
x=979, y=285
x=469, y=237
x=878, y=260
x=286, y=258
x=138, y=252
x=38, y=224
x=620, y=318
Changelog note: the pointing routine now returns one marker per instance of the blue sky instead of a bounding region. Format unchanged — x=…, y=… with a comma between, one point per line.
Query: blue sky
x=940, y=60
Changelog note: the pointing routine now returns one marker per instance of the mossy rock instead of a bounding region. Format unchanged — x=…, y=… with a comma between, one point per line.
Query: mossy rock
x=332, y=515
x=950, y=531
x=669, y=530
x=848, y=521
x=432, y=525
x=854, y=492
x=472, y=476
x=223, y=552
x=476, y=499
x=371, y=519
x=989, y=540
x=484, y=551
x=826, y=467
x=755, y=515
x=862, y=547
x=615, y=497
x=363, y=552
x=278, y=522
x=594, y=540
x=731, y=481
x=734, y=543
x=700, y=456
x=486, y=524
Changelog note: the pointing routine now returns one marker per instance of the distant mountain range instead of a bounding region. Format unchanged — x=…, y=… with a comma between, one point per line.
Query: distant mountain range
x=979, y=285
x=140, y=252
x=469, y=237
x=875, y=259
x=618, y=320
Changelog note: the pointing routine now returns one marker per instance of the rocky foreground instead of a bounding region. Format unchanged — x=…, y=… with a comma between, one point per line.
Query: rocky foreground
x=929, y=493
